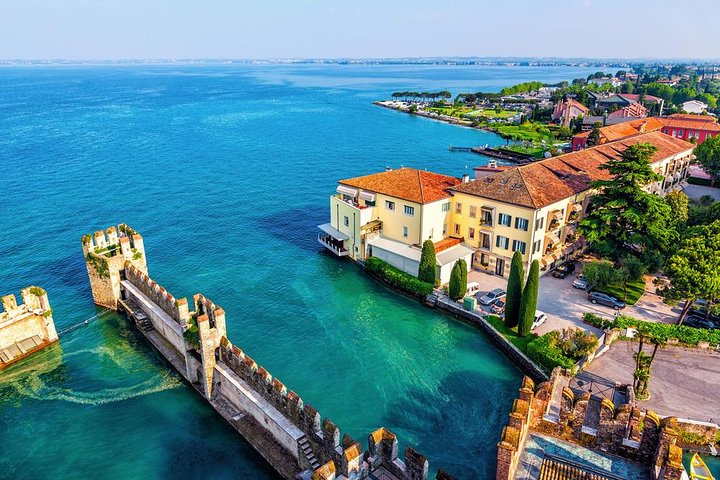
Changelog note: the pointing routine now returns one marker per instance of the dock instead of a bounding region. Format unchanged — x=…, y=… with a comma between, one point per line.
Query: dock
x=506, y=155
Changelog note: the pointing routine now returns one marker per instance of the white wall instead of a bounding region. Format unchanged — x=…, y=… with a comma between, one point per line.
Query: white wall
x=398, y=261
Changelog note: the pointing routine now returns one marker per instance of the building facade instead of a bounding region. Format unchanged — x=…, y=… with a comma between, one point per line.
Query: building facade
x=696, y=128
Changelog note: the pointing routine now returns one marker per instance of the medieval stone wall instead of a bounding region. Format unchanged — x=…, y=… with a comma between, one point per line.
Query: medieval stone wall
x=25, y=327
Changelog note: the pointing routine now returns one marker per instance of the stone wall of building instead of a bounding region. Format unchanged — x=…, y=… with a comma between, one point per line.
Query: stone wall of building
x=26, y=327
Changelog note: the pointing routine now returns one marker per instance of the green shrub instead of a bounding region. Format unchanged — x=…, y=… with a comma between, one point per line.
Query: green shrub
x=574, y=343
x=692, y=438
x=457, y=288
x=659, y=331
x=528, y=303
x=397, y=278
x=545, y=353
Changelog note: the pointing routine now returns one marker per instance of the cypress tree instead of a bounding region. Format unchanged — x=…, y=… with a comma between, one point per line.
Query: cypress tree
x=464, y=271
x=528, y=304
x=427, y=271
x=514, y=291
x=457, y=289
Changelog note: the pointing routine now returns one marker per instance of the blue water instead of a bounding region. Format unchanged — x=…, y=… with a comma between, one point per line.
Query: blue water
x=226, y=170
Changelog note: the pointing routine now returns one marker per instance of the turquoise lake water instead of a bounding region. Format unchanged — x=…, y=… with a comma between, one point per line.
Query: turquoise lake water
x=226, y=170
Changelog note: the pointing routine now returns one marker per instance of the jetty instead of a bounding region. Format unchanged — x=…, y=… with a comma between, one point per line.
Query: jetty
x=289, y=433
x=506, y=155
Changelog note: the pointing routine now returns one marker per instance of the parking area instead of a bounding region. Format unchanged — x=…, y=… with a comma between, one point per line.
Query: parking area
x=684, y=381
x=564, y=305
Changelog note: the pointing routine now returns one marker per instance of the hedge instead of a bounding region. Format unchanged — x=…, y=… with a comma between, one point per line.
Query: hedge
x=659, y=331
x=397, y=278
x=543, y=352
x=705, y=182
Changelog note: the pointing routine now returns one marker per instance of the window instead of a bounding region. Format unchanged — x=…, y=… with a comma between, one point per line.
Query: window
x=457, y=229
x=409, y=210
x=519, y=246
x=444, y=229
x=487, y=218
x=473, y=212
x=369, y=203
x=389, y=205
x=346, y=221
x=485, y=240
x=502, y=242
x=446, y=207
x=405, y=232
x=539, y=223
x=471, y=233
x=458, y=208
x=521, y=223
x=504, y=219
x=537, y=246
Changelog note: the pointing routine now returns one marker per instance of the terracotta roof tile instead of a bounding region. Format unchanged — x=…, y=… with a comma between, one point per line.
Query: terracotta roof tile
x=697, y=122
x=418, y=186
x=544, y=182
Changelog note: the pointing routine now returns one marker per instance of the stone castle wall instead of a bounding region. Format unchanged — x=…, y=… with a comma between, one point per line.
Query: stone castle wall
x=106, y=253
x=207, y=353
x=26, y=327
x=553, y=408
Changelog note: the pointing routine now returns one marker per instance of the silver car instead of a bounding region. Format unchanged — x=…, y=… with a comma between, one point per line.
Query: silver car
x=580, y=282
x=491, y=296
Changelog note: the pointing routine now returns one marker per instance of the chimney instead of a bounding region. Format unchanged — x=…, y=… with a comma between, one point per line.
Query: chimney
x=465, y=178
x=492, y=164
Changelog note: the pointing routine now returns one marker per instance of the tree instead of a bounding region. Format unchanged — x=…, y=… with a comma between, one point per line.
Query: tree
x=514, y=290
x=631, y=269
x=694, y=270
x=708, y=154
x=624, y=218
x=528, y=304
x=600, y=274
x=594, y=137
x=679, y=205
x=428, y=263
x=457, y=287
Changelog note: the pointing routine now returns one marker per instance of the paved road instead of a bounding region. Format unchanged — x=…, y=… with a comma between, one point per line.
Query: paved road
x=684, y=381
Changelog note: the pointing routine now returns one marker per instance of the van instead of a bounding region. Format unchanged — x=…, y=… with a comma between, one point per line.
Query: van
x=472, y=288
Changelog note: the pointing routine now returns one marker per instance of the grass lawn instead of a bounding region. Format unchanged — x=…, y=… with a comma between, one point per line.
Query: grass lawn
x=491, y=113
x=634, y=291
x=510, y=333
x=528, y=132
x=537, y=152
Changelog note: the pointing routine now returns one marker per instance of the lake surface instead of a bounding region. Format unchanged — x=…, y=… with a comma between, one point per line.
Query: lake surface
x=226, y=170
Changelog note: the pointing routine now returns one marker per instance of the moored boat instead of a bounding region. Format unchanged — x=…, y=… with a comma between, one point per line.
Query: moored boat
x=698, y=469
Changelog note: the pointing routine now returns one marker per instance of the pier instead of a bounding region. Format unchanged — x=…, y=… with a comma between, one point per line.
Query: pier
x=506, y=155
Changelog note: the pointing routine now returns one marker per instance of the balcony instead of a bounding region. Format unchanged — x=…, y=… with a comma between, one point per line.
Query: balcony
x=333, y=245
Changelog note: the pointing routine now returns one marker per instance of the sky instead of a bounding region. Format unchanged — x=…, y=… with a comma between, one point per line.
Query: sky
x=244, y=29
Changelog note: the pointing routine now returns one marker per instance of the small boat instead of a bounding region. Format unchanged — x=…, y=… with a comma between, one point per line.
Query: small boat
x=698, y=469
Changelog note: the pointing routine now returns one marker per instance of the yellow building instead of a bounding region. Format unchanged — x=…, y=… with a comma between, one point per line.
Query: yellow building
x=389, y=215
x=535, y=208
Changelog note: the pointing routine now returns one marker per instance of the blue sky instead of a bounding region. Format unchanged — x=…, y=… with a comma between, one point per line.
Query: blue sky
x=117, y=29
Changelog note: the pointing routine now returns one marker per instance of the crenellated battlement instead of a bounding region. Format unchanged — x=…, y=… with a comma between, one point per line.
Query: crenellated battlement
x=25, y=327
x=194, y=338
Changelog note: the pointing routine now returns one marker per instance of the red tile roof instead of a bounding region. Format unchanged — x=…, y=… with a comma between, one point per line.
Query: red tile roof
x=634, y=97
x=446, y=243
x=619, y=131
x=418, y=186
x=697, y=122
x=547, y=181
x=633, y=110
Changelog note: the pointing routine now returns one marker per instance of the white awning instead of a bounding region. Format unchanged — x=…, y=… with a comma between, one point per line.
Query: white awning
x=347, y=190
x=577, y=207
x=368, y=196
x=552, y=237
x=453, y=254
x=333, y=232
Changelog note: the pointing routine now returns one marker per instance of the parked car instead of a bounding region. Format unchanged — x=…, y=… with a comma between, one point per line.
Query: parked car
x=472, y=288
x=540, y=318
x=580, y=282
x=498, y=306
x=605, y=299
x=699, y=308
x=491, y=296
x=564, y=270
x=700, y=322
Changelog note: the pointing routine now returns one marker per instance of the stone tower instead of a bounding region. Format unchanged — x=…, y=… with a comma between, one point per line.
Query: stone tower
x=106, y=254
x=210, y=324
x=25, y=328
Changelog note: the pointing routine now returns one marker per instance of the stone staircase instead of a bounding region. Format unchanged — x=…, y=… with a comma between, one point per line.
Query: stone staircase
x=307, y=451
x=143, y=322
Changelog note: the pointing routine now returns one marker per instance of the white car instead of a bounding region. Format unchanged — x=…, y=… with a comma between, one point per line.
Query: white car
x=540, y=318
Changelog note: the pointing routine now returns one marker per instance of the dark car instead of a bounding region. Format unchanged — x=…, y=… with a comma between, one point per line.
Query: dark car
x=700, y=322
x=498, y=306
x=564, y=270
x=605, y=299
